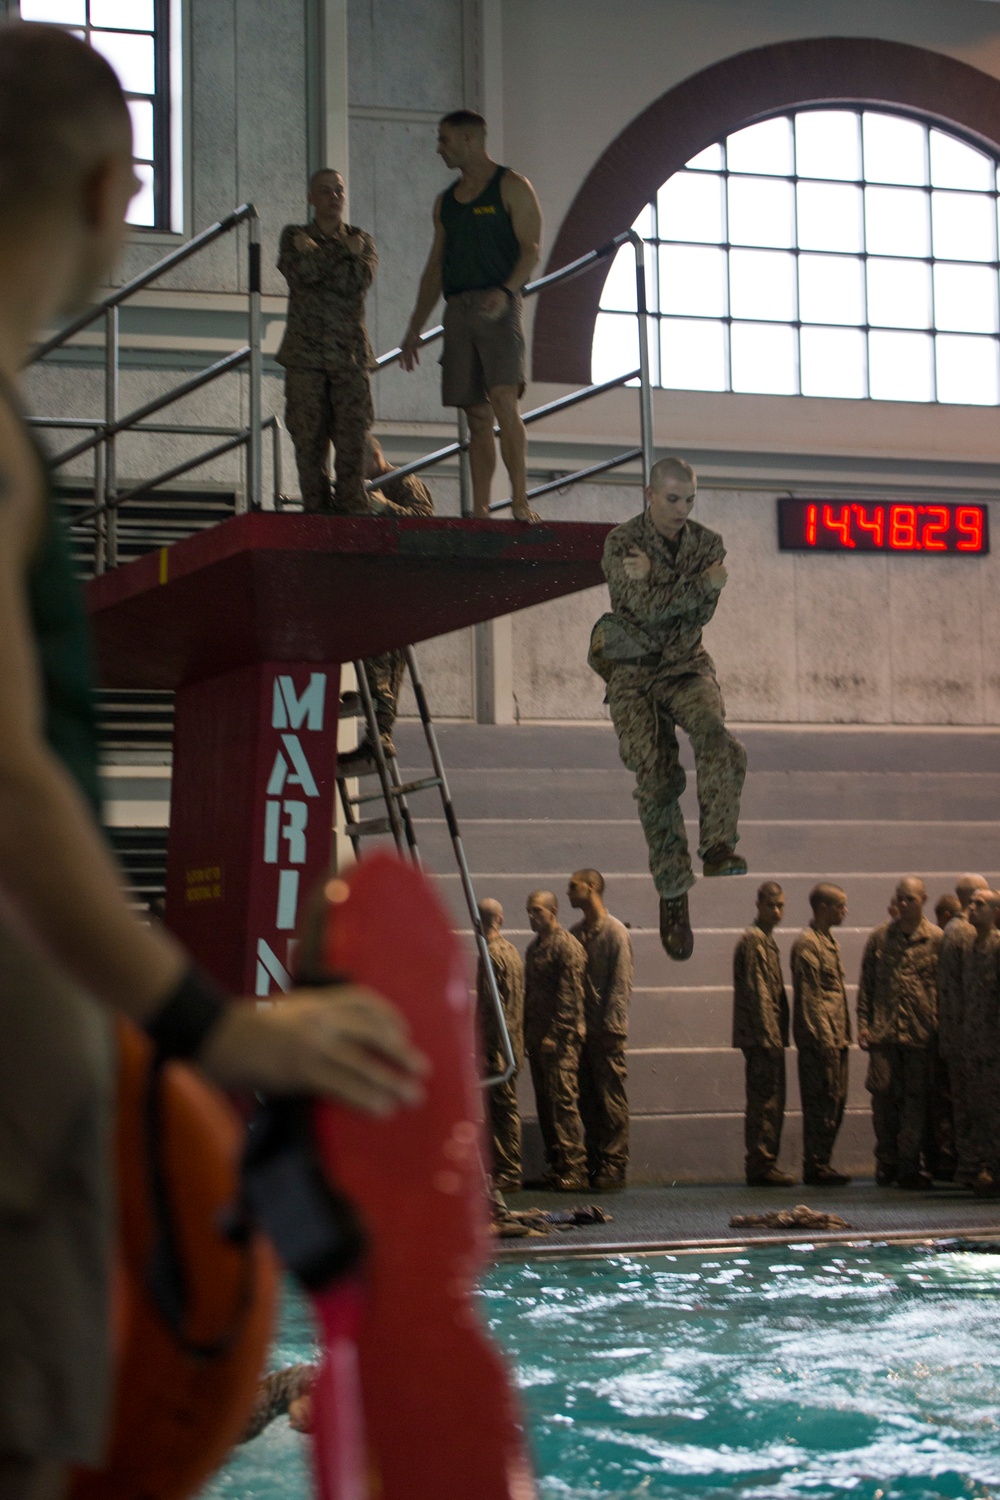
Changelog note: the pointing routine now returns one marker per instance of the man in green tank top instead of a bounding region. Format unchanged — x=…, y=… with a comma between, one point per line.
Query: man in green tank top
x=71, y=949
x=487, y=228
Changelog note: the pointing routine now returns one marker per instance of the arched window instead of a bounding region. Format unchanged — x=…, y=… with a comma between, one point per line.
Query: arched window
x=830, y=252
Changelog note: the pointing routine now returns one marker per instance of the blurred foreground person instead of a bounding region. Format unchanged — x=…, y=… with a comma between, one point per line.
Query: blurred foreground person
x=956, y=938
x=821, y=1026
x=760, y=1029
x=71, y=949
x=979, y=1042
x=897, y=1024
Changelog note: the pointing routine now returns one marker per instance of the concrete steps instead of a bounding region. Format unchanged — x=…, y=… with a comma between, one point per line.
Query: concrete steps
x=856, y=806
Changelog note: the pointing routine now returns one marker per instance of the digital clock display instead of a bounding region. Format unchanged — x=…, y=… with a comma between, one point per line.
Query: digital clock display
x=881, y=526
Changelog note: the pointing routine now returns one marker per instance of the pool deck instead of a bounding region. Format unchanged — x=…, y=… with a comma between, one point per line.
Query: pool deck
x=646, y=1218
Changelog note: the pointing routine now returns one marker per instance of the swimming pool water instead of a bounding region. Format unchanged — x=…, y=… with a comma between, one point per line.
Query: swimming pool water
x=763, y=1373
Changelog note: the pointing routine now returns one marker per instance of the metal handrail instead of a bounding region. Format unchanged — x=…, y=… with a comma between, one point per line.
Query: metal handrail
x=569, y=272
x=104, y=434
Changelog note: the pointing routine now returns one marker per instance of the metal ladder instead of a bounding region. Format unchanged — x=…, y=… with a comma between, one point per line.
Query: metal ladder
x=394, y=794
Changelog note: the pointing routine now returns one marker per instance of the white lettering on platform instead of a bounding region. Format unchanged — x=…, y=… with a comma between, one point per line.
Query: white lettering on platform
x=291, y=711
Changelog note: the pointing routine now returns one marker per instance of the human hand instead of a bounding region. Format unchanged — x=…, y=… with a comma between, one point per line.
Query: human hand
x=303, y=241
x=410, y=351
x=377, y=503
x=493, y=303
x=355, y=242
x=716, y=576
x=637, y=565
x=300, y=1418
x=344, y=1043
x=863, y=1038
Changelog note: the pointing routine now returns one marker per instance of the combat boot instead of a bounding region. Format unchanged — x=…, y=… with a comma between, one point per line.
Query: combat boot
x=720, y=860
x=675, y=927
x=773, y=1177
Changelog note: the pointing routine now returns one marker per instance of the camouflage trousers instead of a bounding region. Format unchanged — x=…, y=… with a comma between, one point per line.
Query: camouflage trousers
x=939, y=1141
x=646, y=706
x=823, y=1090
x=604, y=1103
x=555, y=1073
x=899, y=1081
x=966, y=1164
x=504, y=1120
x=765, y=1108
x=320, y=409
x=385, y=678
x=983, y=1105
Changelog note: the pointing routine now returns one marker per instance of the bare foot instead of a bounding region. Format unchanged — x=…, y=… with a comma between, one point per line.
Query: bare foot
x=525, y=513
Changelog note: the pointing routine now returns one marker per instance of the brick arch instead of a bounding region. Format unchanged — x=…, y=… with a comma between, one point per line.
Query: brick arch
x=709, y=105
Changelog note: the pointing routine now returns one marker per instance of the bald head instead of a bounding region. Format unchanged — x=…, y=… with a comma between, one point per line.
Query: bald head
x=671, y=471
x=911, y=894
x=542, y=908
x=966, y=887
x=62, y=112
x=983, y=908
x=490, y=915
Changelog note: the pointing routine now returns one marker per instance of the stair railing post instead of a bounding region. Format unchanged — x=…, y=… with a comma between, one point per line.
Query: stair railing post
x=464, y=467
x=253, y=496
x=645, y=388
x=109, y=486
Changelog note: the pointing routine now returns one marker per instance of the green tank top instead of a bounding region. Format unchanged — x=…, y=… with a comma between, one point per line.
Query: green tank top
x=62, y=643
x=480, y=246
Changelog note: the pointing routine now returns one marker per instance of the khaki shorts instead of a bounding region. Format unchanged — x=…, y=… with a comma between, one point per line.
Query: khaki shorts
x=480, y=352
x=56, y=1211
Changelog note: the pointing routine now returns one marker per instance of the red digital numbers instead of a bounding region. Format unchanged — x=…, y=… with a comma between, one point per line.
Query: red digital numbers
x=829, y=526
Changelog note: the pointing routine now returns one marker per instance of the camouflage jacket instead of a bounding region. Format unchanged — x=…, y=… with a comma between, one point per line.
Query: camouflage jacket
x=408, y=496
x=663, y=614
x=760, y=1003
x=897, y=990
x=326, y=300
x=820, y=1020
x=981, y=997
x=958, y=934
x=509, y=971
x=554, y=968
x=607, y=982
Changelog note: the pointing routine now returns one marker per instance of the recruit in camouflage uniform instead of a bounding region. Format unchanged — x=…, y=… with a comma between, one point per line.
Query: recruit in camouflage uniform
x=327, y=359
x=650, y=653
x=406, y=496
x=554, y=968
x=603, y=1064
x=957, y=936
x=760, y=1030
x=981, y=1049
x=897, y=1020
x=276, y=1393
x=501, y=1098
x=821, y=1027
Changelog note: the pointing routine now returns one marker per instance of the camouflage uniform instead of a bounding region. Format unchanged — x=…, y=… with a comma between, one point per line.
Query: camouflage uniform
x=821, y=1027
x=407, y=496
x=760, y=1029
x=327, y=359
x=554, y=968
x=981, y=1048
x=659, y=675
x=897, y=1007
x=957, y=936
x=275, y=1395
x=607, y=990
x=501, y=1098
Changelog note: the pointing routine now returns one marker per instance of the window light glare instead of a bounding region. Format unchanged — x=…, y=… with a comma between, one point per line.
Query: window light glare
x=834, y=363
x=761, y=212
x=956, y=165
x=616, y=346
x=132, y=58
x=899, y=293
x=141, y=210
x=828, y=144
x=692, y=355
x=897, y=221
x=693, y=281
x=965, y=298
x=764, y=359
x=765, y=148
x=709, y=160
x=619, y=292
x=62, y=12
x=690, y=207
x=141, y=111
x=831, y=289
x=900, y=366
x=830, y=216
x=895, y=149
x=964, y=226
x=123, y=15
x=762, y=285
x=967, y=371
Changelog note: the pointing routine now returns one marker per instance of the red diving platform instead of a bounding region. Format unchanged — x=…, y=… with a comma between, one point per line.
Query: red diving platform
x=249, y=622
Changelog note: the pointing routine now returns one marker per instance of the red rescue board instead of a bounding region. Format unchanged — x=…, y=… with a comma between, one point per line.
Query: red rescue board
x=414, y=1401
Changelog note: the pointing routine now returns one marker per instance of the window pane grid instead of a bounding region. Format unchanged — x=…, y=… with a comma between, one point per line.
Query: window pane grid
x=935, y=205
x=131, y=34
